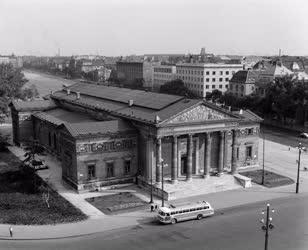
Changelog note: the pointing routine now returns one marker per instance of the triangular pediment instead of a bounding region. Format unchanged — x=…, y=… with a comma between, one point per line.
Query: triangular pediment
x=198, y=114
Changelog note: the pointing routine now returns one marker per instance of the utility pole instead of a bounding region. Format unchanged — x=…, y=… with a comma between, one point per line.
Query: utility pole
x=162, y=184
x=267, y=225
x=263, y=171
x=300, y=148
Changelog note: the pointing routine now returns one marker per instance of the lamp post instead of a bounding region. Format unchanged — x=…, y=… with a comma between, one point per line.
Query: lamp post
x=267, y=225
x=151, y=201
x=162, y=182
x=263, y=171
x=300, y=148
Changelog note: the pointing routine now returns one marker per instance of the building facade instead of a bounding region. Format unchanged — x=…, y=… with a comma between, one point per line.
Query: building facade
x=132, y=71
x=106, y=135
x=202, y=78
x=163, y=74
x=243, y=83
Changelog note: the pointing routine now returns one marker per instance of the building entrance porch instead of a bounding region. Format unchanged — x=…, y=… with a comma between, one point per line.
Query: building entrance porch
x=197, y=186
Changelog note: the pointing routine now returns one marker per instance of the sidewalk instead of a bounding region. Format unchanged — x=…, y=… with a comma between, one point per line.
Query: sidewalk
x=99, y=222
x=220, y=201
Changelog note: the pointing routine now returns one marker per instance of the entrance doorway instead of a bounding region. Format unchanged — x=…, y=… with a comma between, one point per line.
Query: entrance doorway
x=183, y=164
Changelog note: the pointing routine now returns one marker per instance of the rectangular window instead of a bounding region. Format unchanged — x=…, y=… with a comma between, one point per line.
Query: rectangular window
x=213, y=73
x=220, y=86
x=127, y=167
x=213, y=79
x=207, y=73
x=237, y=153
x=227, y=79
x=221, y=73
x=207, y=79
x=91, y=171
x=227, y=72
x=206, y=86
x=249, y=152
x=110, y=169
x=250, y=131
x=213, y=86
x=220, y=79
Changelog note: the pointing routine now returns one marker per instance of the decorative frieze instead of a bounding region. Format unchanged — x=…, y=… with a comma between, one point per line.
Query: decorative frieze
x=200, y=113
x=107, y=146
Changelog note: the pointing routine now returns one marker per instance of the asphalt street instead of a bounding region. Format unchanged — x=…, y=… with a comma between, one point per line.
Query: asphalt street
x=237, y=228
x=283, y=136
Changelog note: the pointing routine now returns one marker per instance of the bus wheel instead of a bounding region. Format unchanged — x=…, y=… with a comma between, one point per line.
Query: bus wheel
x=173, y=221
x=199, y=216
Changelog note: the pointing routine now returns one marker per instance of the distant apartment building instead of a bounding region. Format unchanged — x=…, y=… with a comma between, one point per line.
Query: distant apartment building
x=14, y=60
x=163, y=74
x=128, y=72
x=203, y=78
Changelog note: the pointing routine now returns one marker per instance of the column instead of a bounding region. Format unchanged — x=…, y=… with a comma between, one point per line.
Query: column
x=158, y=160
x=234, y=152
x=174, y=174
x=189, y=157
x=207, y=158
x=221, y=153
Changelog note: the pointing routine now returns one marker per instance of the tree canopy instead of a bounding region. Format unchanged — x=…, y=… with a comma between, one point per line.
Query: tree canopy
x=176, y=87
x=12, y=82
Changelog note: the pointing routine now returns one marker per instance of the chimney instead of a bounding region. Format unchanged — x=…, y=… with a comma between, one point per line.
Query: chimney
x=241, y=111
x=157, y=119
x=130, y=102
x=68, y=91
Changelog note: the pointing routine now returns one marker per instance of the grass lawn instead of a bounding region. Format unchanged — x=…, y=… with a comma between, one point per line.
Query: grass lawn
x=21, y=202
x=271, y=179
x=117, y=203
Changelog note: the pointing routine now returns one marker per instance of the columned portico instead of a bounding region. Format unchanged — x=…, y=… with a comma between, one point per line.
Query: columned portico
x=174, y=170
x=221, y=152
x=207, y=158
x=189, y=157
x=234, y=161
x=158, y=160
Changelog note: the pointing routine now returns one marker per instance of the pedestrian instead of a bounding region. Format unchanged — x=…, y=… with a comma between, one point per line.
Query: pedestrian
x=152, y=207
x=156, y=207
x=289, y=148
x=11, y=231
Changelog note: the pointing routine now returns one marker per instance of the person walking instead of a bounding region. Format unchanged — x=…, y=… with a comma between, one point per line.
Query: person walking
x=11, y=231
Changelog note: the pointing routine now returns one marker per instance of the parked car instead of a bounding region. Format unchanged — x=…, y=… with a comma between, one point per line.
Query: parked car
x=303, y=135
x=36, y=165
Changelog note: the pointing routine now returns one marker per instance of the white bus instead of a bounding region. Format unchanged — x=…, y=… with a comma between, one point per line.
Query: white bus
x=188, y=211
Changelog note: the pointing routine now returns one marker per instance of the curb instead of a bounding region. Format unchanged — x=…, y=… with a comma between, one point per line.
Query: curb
x=69, y=236
x=218, y=212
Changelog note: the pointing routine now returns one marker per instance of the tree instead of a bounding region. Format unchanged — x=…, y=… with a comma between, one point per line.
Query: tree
x=12, y=81
x=176, y=87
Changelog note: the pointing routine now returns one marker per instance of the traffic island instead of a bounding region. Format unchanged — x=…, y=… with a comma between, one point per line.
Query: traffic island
x=271, y=179
x=117, y=203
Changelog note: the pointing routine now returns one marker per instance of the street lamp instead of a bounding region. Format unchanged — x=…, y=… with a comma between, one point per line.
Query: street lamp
x=300, y=148
x=162, y=182
x=263, y=171
x=267, y=225
x=151, y=201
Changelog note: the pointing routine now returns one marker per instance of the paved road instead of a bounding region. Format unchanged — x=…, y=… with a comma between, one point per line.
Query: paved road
x=45, y=82
x=283, y=136
x=235, y=229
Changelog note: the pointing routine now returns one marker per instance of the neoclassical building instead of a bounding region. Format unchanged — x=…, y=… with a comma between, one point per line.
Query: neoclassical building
x=107, y=135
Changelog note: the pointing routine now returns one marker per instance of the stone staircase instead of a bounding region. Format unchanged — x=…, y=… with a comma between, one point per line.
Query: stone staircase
x=199, y=186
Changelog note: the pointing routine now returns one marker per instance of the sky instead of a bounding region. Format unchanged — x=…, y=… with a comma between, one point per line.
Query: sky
x=125, y=27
